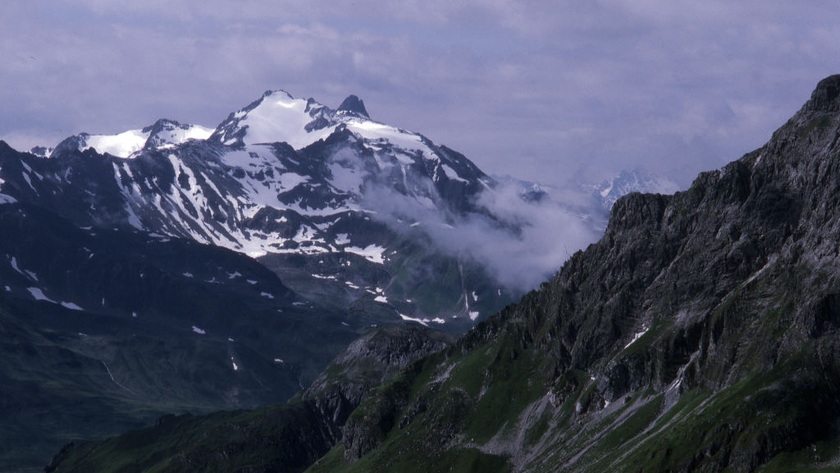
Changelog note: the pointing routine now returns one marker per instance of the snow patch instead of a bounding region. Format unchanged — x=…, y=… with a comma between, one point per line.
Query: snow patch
x=38, y=294
x=122, y=145
x=280, y=118
x=637, y=336
x=198, y=330
x=71, y=306
x=15, y=265
x=451, y=174
x=374, y=131
x=424, y=322
x=770, y=262
x=372, y=253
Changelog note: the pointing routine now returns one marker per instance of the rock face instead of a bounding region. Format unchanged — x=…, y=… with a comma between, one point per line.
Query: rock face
x=354, y=104
x=699, y=334
x=368, y=362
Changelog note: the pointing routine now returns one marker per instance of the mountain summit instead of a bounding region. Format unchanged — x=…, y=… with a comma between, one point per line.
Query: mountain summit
x=826, y=97
x=353, y=104
x=345, y=209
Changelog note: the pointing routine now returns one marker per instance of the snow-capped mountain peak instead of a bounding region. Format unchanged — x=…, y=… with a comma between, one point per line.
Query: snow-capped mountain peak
x=293, y=180
x=162, y=135
x=166, y=134
x=277, y=117
x=638, y=180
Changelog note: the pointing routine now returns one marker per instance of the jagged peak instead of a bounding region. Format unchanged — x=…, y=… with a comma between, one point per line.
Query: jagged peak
x=278, y=92
x=353, y=104
x=826, y=96
x=810, y=133
x=162, y=124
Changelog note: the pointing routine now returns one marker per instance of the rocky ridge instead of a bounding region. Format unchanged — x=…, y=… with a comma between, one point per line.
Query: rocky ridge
x=699, y=334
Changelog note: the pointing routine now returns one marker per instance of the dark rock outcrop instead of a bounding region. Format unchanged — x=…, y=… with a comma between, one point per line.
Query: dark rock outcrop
x=355, y=105
x=368, y=362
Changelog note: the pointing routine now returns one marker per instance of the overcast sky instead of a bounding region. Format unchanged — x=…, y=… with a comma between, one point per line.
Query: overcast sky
x=551, y=91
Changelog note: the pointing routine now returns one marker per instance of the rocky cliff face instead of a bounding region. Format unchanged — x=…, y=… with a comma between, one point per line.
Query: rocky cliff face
x=700, y=333
x=369, y=361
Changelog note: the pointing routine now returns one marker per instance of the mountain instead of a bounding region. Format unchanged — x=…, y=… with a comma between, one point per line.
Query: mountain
x=627, y=182
x=164, y=134
x=176, y=268
x=345, y=209
x=701, y=333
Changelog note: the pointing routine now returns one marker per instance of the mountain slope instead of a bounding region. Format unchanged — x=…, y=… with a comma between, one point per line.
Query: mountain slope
x=701, y=333
x=282, y=438
x=105, y=330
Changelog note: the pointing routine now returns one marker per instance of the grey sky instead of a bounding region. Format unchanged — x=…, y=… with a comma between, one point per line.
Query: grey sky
x=552, y=91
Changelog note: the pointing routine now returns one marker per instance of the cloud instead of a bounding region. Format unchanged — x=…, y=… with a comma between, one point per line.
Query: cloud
x=548, y=91
x=520, y=242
